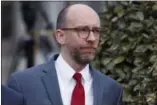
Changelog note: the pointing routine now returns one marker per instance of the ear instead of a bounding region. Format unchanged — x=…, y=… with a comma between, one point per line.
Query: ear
x=60, y=36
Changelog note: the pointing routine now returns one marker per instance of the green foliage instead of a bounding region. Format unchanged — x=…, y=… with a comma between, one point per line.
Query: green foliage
x=128, y=49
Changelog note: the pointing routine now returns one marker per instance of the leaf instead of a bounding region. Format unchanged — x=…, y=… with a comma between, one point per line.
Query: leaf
x=125, y=3
x=132, y=82
x=106, y=61
x=153, y=58
x=148, y=23
x=140, y=16
x=138, y=60
x=114, y=19
x=141, y=48
x=137, y=87
x=154, y=7
x=110, y=66
x=119, y=11
x=120, y=73
x=119, y=60
x=121, y=24
x=135, y=27
x=150, y=97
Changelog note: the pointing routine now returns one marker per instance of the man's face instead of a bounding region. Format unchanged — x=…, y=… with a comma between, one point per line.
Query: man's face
x=82, y=41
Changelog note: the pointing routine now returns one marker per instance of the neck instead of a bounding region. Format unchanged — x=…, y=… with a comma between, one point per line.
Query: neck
x=77, y=67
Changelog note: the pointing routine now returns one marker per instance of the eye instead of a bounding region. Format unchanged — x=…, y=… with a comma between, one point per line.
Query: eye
x=85, y=29
x=96, y=30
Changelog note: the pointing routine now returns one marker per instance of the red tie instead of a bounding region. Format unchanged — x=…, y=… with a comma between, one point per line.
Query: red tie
x=78, y=95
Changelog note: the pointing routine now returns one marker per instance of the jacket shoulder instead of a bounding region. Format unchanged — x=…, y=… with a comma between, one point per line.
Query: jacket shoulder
x=35, y=70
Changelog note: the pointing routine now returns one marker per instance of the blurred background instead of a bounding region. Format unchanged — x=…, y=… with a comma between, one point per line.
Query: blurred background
x=127, y=51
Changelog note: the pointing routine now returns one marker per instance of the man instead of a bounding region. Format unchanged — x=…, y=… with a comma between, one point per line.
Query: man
x=69, y=79
x=10, y=97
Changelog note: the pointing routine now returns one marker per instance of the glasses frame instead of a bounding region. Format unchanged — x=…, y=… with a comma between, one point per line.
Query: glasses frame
x=77, y=29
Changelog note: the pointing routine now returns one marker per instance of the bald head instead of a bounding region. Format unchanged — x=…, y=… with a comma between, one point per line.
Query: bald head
x=79, y=9
x=74, y=13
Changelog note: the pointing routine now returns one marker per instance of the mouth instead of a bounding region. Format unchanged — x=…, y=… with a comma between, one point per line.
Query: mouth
x=88, y=50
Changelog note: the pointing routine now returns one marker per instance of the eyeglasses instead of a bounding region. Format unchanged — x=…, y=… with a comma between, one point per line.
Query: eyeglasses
x=84, y=32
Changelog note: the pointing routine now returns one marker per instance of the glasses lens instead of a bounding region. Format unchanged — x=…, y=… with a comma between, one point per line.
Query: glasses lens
x=96, y=32
x=83, y=32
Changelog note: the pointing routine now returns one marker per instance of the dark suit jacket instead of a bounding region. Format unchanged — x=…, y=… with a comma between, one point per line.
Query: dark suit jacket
x=11, y=97
x=39, y=85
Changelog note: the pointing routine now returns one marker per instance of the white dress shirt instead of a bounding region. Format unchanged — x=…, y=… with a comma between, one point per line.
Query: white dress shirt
x=67, y=83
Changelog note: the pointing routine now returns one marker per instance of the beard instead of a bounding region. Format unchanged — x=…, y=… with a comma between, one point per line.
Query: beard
x=81, y=58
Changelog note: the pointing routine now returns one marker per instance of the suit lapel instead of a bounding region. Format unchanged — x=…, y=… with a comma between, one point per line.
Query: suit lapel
x=97, y=89
x=51, y=84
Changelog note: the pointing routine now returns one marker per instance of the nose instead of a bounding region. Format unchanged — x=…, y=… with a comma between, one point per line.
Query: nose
x=91, y=36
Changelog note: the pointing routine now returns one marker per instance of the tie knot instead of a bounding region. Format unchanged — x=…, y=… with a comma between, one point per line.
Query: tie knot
x=77, y=77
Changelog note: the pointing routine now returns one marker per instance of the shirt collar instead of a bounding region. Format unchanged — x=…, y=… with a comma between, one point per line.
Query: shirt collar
x=86, y=73
x=66, y=72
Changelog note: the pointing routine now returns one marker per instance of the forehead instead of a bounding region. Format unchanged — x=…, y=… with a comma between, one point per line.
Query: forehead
x=83, y=17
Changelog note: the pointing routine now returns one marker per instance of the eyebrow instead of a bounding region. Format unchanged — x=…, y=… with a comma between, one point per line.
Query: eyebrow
x=86, y=26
